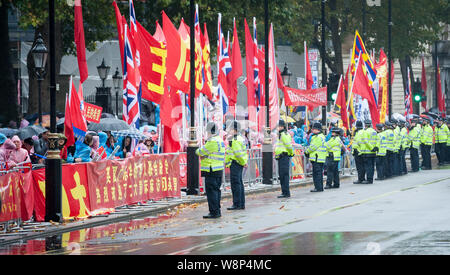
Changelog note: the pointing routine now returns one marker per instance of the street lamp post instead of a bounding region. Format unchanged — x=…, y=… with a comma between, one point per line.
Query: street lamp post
x=324, y=69
x=192, y=158
x=267, y=145
x=116, y=82
x=40, y=54
x=53, y=175
x=286, y=76
x=103, y=95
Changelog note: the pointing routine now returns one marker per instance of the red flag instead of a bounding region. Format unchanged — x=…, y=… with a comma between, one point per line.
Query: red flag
x=274, y=110
x=249, y=58
x=79, y=41
x=341, y=102
x=75, y=124
x=68, y=132
x=159, y=34
x=170, y=106
x=236, y=65
x=119, y=29
x=308, y=74
x=439, y=94
x=424, y=84
x=361, y=87
x=207, y=81
x=153, y=56
x=178, y=57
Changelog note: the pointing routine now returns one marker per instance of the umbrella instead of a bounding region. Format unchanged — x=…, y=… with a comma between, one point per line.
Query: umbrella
x=132, y=132
x=109, y=124
x=107, y=115
x=433, y=115
x=8, y=132
x=398, y=117
x=30, y=131
x=287, y=119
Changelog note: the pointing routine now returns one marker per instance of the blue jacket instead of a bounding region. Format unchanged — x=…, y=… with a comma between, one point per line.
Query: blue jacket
x=82, y=151
x=102, y=137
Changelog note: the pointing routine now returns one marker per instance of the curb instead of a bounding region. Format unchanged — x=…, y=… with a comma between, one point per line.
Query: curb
x=100, y=220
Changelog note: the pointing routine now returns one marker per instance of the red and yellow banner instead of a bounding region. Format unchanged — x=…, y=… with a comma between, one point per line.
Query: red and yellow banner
x=93, y=113
x=298, y=171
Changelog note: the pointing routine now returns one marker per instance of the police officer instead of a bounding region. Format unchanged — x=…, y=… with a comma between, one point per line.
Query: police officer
x=381, y=154
x=283, y=153
x=317, y=153
x=414, y=139
x=448, y=141
x=368, y=150
x=357, y=147
x=426, y=140
x=212, y=159
x=404, y=145
x=236, y=158
x=441, y=141
x=334, y=146
x=397, y=144
x=390, y=150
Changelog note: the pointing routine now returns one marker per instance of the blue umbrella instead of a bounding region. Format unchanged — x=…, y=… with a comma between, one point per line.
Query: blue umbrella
x=9, y=132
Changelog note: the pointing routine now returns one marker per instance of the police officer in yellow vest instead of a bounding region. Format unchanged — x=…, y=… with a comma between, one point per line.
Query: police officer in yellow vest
x=369, y=151
x=283, y=153
x=447, y=120
x=317, y=153
x=404, y=145
x=426, y=139
x=414, y=139
x=236, y=158
x=381, y=161
x=390, y=138
x=442, y=134
x=397, y=144
x=334, y=147
x=212, y=162
x=357, y=147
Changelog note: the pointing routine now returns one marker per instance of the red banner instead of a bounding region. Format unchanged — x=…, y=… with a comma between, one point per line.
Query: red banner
x=93, y=113
x=115, y=183
x=311, y=98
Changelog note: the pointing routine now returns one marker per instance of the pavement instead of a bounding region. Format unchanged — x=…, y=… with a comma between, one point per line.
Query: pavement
x=33, y=230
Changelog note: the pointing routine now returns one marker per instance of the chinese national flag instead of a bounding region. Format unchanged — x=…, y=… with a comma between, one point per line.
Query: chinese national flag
x=170, y=116
x=119, y=29
x=236, y=65
x=178, y=63
x=153, y=56
x=309, y=79
x=79, y=41
x=361, y=87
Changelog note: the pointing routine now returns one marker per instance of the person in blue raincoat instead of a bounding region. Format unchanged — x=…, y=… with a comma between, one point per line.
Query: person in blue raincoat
x=82, y=151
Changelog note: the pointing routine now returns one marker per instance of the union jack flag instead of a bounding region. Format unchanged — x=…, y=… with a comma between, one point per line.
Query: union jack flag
x=131, y=83
x=224, y=67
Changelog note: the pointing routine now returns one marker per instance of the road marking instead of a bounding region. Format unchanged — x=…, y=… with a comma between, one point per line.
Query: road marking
x=321, y=213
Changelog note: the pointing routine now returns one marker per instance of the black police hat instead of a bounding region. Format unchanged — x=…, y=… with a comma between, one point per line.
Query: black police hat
x=317, y=125
x=359, y=124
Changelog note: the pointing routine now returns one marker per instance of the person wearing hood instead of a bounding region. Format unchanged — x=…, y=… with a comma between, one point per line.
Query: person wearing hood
x=102, y=137
x=5, y=154
x=141, y=149
x=83, y=151
x=19, y=155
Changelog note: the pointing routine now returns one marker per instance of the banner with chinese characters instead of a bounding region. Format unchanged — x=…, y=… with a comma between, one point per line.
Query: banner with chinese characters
x=311, y=98
x=114, y=183
x=93, y=113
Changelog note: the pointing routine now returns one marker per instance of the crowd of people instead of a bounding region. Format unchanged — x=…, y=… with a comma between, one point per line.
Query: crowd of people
x=16, y=153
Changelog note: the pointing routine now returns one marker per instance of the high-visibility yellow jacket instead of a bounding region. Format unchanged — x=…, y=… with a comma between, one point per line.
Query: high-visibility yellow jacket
x=406, y=143
x=237, y=152
x=369, y=141
x=284, y=145
x=397, y=140
x=390, y=137
x=427, y=135
x=382, y=144
x=442, y=134
x=317, y=149
x=414, y=137
x=334, y=147
x=358, y=141
x=212, y=155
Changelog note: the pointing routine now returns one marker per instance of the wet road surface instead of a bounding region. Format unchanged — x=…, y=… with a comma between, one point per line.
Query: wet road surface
x=404, y=215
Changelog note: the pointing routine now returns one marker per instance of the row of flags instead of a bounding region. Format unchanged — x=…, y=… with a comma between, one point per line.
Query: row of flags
x=366, y=84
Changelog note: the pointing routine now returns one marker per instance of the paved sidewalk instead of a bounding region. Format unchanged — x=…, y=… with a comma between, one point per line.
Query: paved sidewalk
x=34, y=230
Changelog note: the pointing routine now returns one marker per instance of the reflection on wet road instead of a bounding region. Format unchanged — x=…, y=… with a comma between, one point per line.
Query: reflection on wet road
x=408, y=215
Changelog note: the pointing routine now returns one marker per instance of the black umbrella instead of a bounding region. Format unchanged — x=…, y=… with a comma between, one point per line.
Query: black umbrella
x=8, y=132
x=109, y=124
x=107, y=115
x=433, y=115
x=30, y=131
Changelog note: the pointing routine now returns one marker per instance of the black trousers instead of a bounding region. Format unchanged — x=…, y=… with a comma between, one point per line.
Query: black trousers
x=380, y=162
x=284, y=163
x=426, y=156
x=440, y=149
x=237, y=185
x=447, y=157
x=318, y=175
x=396, y=169
x=359, y=162
x=403, y=168
x=414, y=153
x=332, y=172
x=213, y=193
x=369, y=166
